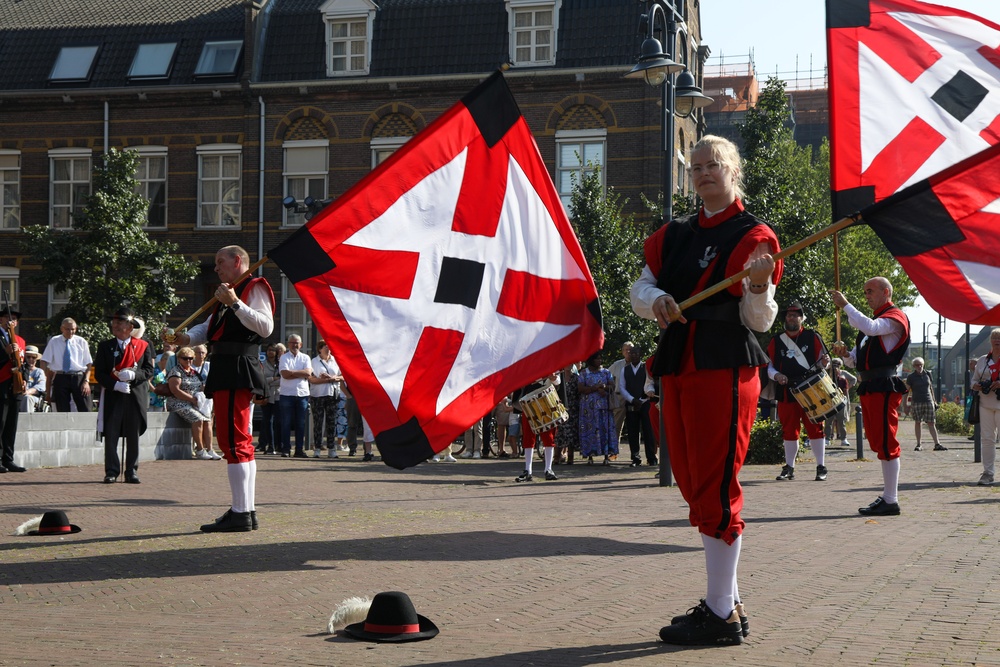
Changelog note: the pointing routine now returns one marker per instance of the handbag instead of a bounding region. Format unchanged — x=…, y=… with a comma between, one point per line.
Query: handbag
x=972, y=411
x=163, y=390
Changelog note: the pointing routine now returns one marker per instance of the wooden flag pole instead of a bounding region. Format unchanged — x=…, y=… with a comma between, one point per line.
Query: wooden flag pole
x=843, y=223
x=213, y=300
x=836, y=277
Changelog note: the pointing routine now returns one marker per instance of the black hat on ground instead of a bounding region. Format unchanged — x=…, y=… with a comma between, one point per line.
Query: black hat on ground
x=392, y=618
x=55, y=522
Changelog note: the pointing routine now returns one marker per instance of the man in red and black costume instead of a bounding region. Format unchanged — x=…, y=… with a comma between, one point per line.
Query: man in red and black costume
x=234, y=331
x=529, y=437
x=881, y=345
x=796, y=354
x=9, y=400
x=123, y=366
x=707, y=360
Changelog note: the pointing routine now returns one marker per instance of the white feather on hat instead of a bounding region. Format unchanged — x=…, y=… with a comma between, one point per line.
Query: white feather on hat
x=139, y=327
x=30, y=524
x=352, y=610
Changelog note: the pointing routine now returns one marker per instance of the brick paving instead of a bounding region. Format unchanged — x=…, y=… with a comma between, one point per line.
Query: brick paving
x=581, y=571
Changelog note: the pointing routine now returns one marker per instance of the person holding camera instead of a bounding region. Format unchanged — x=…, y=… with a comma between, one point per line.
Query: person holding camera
x=923, y=405
x=986, y=380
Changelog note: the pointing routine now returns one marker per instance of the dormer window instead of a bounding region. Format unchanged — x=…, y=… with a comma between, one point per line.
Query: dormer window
x=74, y=64
x=348, y=36
x=532, y=28
x=219, y=58
x=153, y=61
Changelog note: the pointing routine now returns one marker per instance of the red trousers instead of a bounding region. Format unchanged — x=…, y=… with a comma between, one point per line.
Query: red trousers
x=708, y=415
x=528, y=437
x=791, y=415
x=880, y=414
x=232, y=424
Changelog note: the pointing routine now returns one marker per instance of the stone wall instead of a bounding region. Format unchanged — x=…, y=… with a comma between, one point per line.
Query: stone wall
x=54, y=439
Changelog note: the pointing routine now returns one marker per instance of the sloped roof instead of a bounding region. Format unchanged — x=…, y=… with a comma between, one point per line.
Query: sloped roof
x=33, y=31
x=440, y=37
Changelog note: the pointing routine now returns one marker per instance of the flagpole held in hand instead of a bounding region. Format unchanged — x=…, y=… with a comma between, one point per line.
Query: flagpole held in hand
x=836, y=276
x=211, y=302
x=843, y=223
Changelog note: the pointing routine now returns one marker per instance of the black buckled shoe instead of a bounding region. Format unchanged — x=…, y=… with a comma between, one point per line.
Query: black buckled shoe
x=740, y=611
x=787, y=472
x=230, y=522
x=524, y=477
x=701, y=627
x=821, y=473
x=550, y=476
x=109, y=479
x=132, y=479
x=880, y=508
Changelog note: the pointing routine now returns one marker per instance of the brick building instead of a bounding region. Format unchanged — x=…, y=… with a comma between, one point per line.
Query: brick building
x=233, y=105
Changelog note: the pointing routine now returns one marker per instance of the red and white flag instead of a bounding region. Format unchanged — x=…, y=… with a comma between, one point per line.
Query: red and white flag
x=447, y=277
x=914, y=89
x=945, y=233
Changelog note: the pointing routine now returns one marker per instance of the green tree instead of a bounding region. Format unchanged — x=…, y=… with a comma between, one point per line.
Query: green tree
x=108, y=259
x=612, y=244
x=789, y=187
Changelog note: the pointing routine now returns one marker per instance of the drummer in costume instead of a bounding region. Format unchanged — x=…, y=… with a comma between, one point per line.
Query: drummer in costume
x=123, y=366
x=243, y=318
x=881, y=345
x=529, y=437
x=708, y=363
x=796, y=354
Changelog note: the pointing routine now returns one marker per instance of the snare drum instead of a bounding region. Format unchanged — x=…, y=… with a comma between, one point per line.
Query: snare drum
x=543, y=409
x=818, y=396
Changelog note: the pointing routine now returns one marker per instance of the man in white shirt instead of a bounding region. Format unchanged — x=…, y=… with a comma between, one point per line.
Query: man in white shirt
x=66, y=362
x=295, y=369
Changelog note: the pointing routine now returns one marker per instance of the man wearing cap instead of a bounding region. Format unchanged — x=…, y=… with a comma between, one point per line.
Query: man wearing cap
x=879, y=348
x=241, y=320
x=795, y=354
x=9, y=349
x=67, y=363
x=123, y=367
x=837, y=424
x=34, y=380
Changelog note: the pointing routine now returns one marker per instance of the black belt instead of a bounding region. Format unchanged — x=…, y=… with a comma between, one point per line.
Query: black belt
x=876, y=373
x=236, y=349
x=70, y=372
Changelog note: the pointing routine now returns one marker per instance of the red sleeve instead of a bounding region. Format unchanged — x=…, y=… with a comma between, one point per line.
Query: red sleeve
x=759, y=234
x=652, y=250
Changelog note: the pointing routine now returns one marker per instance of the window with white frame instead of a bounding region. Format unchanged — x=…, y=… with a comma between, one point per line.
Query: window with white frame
x=57, y=300
x=10, y=189
x=348, y=36
x=532, y=29
x=219, y=181
x=578, y=152
x=294, y=316
x=151, y=174
x=69, y=184
x=9, y=283
x=306, y=169
x=383, y=147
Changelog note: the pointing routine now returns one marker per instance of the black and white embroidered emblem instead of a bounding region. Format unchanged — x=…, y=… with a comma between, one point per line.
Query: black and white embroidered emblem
x=710, y=253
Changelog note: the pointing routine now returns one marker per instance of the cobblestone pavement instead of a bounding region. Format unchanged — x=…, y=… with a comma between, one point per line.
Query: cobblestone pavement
x=575, y=572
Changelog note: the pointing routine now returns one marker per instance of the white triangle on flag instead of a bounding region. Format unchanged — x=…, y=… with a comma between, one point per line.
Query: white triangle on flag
x=984, y=279
x=993, y=207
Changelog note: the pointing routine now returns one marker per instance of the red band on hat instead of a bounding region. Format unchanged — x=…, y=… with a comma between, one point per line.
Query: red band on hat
x=56, y=529
x=392, y=629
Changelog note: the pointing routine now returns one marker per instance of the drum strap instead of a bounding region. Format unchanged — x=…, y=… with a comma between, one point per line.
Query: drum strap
x=796, y=352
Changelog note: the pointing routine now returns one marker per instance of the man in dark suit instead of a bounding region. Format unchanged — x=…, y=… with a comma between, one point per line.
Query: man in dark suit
x=123, y=366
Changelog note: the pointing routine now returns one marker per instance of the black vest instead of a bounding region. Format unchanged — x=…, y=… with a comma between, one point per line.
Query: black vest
x=635, y=383
x=812, y=348
x=235, y=362
x=721, y=339
x=871, y=357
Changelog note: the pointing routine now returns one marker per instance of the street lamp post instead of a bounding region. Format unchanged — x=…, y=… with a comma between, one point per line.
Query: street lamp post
x=680, y=98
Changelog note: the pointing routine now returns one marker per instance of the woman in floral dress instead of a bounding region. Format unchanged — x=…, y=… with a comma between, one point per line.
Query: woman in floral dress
x=186, y=385
x=597, y=422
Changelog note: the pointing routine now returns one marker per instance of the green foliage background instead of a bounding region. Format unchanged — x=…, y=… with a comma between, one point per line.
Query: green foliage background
x=107, y=259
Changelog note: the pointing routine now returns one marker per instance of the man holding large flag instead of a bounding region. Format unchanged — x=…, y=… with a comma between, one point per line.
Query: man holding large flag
x=882, y=343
